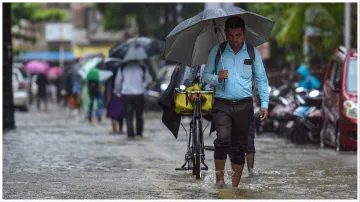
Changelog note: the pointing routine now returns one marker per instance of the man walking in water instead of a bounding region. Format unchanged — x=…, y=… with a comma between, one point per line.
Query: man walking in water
x=233, y=104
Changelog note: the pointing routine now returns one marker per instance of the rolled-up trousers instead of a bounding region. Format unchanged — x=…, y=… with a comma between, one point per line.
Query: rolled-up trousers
x=232, y=121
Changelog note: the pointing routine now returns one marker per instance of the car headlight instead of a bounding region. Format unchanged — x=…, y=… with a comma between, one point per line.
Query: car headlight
x=164, y=86
x=350, y=109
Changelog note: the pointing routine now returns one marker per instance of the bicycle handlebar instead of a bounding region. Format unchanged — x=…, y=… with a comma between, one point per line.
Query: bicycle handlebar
x=196, y=92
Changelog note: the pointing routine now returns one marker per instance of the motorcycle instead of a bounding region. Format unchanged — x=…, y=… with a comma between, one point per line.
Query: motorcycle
x=306, y=118
x=280, y=110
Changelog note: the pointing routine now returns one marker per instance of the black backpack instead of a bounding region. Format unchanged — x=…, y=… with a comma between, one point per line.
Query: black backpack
x=94, y=88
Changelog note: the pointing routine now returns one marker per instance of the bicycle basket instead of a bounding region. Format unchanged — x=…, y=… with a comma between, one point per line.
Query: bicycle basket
x=184, y=106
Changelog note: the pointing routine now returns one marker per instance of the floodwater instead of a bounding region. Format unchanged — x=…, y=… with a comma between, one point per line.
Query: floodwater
x=57, y=155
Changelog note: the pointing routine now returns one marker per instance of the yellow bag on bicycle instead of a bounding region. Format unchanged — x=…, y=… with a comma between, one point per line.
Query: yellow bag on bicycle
x=184, y=106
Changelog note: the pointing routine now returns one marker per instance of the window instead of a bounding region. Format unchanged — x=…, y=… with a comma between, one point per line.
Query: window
x=14, y=77
x=338, y=74
x=352, y=76
x=332, y=71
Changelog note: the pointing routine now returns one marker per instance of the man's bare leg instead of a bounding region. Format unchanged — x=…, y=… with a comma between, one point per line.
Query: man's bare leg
x=219, y=169
x=250, y=157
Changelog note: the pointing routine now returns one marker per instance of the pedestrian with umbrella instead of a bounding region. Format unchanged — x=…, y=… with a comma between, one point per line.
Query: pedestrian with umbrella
x=133, y=78
x=94, y=77
x=34, y=67
x=41, y=68
x=42, y=82
x=116, y=104
x=231, y=67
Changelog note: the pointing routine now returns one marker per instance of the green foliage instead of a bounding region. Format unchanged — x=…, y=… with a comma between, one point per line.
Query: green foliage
x=51, y=14
x=23, y=11
x=147, y=15
x=34, y=12
x=291, y=20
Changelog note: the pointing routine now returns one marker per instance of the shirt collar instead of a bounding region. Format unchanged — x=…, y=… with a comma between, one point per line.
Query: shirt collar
x=243, y=48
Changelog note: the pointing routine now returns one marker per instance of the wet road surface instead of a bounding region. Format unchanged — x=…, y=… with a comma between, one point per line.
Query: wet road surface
x=56, y=155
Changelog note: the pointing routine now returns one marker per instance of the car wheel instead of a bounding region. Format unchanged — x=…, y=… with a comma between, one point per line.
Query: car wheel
x=338, y=141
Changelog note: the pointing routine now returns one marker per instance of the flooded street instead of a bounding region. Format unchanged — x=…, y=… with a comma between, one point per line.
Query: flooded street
x=57, y=155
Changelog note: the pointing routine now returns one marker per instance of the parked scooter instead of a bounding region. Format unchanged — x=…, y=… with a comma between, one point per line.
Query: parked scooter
x=268, y=124
x=307, y=117
x=280, y=110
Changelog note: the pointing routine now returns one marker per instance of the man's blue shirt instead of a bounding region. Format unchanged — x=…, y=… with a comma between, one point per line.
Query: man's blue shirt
x=239, y=82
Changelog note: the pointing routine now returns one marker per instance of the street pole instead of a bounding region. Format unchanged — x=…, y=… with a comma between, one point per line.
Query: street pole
x=61, y=58
x=347, y=26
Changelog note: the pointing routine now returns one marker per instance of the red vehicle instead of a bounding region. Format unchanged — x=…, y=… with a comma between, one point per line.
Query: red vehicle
x=340, y=103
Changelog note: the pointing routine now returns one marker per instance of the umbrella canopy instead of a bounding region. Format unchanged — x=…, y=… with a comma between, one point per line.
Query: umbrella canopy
x=88, y=65
x=191, y=41
x=90, y=55
x=112, y=63
x=98, y=75
x=137, y=49
x=37, y=67
x=55, y=72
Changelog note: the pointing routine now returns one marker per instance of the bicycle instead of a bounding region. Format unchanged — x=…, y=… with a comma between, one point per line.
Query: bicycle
x=195, y=155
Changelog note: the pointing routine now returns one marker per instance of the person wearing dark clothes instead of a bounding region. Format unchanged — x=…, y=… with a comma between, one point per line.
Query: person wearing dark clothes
x=131, y=81
x=68, y=88
x=115, y=107
x=42, y=83
x=250, y=149
x=233, y=103
x=94, y=89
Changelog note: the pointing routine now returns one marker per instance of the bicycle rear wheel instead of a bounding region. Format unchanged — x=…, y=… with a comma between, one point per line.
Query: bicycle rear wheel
x=197, y=146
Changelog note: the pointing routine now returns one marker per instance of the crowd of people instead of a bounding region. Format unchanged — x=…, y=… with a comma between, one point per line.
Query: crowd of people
x=116, y=98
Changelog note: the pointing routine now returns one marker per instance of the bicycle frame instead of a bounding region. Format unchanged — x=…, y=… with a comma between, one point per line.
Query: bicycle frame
x=195, y=145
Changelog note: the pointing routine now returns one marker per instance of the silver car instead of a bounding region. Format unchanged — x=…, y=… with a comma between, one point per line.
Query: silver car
x=20, y=90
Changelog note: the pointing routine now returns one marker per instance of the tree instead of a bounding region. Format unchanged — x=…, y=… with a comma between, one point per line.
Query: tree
x=292, y=19
x=117, y=16
x=34, y=13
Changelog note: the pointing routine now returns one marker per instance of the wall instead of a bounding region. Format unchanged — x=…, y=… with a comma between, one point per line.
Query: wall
x=80, y=50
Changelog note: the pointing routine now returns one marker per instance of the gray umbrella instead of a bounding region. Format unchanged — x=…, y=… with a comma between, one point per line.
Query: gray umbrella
x=137, y=49
x=191, y=41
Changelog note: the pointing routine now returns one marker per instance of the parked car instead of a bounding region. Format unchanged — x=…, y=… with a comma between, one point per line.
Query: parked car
x=20, y=90
x=340, y=103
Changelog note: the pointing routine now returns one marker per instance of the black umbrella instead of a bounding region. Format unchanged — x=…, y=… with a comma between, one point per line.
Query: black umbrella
x=137, y=49
x=191, y=41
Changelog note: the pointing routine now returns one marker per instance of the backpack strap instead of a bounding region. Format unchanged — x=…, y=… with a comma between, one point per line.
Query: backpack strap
x=251, y=52
x=220, y=51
